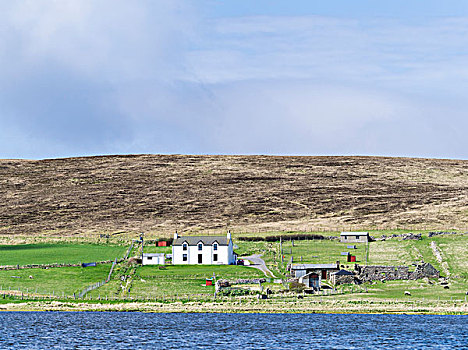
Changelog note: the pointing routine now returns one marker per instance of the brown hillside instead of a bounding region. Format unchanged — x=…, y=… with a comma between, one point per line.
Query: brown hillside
x=157, y=193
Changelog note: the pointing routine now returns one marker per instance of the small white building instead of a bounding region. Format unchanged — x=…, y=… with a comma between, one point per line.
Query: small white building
x=354, y=237
x=203, y=250
x=153, y=259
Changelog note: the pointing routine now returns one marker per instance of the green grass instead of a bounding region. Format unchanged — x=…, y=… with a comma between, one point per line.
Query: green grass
x=419, y=289
x=303, y=251
x=322, y=251
x=396, y=252
x=177, y=280
x=183, y=280
x=67, y=280
x=153, y=249
x=49, y=253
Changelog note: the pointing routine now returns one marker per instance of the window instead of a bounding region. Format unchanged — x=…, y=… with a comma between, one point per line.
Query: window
x=357, y=237
x=200, y=246
x=215, y=257
x=215, y=246
x=184, y=257
x=184, y=246
x=150, y=258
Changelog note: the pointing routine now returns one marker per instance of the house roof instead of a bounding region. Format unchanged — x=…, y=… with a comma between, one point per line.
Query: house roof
x=206, y=240
x=314, y=266
x=152, y=254
x=342, y=273
x=354, y=233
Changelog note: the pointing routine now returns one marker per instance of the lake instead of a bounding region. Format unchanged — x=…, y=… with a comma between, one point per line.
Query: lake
x=121, y=330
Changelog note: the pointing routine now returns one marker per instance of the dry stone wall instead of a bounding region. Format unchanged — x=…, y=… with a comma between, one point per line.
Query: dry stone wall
x=389, y=273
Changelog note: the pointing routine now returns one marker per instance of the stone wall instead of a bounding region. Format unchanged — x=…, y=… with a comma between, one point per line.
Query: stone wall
x=47, y=266
x=346, y=279
x=424, y=270
x=379, y=273
x=389, y=273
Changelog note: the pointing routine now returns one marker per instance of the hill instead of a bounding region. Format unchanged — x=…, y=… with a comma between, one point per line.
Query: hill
x=161, y=193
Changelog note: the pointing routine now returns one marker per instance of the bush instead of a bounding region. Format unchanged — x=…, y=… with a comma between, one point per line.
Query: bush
x=234, y=292
x=297, y=287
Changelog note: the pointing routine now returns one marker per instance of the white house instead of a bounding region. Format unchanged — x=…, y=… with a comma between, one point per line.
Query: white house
x=206, y=250
x=153, y=259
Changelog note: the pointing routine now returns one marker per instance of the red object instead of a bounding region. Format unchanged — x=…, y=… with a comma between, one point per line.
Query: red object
x=353, y=258
x=209, y=282
x=162, y=244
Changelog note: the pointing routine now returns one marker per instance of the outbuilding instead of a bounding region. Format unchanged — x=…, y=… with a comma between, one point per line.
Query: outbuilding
x=354, y=237
x=323, y=270
x=311, y=280
x=153, y=259
x=341, y=277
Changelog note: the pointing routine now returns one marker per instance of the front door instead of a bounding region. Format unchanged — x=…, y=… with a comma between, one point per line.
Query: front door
x=200, y=258
x=324, y=274
x=314, y=281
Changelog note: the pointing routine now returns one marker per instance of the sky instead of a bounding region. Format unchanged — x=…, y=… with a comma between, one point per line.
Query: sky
x=304, y=77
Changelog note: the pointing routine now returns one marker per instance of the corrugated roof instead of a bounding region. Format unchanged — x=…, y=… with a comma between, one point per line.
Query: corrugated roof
x=152, y=254
x=313, y=266
x=354, y=233
x=206, y=240
x=342, y=273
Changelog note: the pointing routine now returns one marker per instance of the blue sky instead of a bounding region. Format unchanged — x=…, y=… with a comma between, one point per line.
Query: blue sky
x=233, y=77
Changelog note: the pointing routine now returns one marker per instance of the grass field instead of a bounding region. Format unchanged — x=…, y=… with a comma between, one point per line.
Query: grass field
x=172, y=281
x=63, y=280
x=25, y=254
x=152, y=282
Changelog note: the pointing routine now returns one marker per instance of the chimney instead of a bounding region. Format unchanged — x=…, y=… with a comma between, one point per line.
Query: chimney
x=229, y=235
x=338, y=264
x=176, y=235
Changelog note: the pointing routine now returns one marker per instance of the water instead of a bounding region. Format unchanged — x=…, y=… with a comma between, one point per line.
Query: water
x=119, y=330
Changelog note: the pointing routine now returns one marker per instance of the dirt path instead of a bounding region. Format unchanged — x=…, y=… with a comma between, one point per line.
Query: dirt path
x=258, y=263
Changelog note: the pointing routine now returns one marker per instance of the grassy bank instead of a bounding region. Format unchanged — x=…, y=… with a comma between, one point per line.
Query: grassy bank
x=50, y=253
x=367, y=305
x=57, y=281
x=175, y=283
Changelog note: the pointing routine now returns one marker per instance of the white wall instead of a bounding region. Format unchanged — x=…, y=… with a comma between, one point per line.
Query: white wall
x=225, y=255
x=156, y=260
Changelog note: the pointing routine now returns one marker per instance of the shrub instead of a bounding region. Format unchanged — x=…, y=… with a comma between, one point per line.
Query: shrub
x=296, y=287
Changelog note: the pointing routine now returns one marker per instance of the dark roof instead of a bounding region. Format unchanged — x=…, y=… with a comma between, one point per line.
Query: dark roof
x=153, y=254
x=354, y=233
x=342, y=273
x=314, y=266
x=206, y=240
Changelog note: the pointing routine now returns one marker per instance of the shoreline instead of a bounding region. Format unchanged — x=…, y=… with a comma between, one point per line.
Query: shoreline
x=236, y=307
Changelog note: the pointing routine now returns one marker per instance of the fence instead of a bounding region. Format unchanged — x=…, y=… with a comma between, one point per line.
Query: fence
x=128, y=251
x=112, y=269
x=90, y=288
x=44, y=266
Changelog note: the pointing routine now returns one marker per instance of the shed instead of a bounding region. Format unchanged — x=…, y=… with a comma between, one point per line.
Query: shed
x=323, y=270
x=341, y=277
x=153, y=259
x=311, y=280
x=354, y=237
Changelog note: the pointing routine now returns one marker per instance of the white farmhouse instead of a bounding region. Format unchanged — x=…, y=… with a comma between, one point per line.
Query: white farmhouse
x=206, y=250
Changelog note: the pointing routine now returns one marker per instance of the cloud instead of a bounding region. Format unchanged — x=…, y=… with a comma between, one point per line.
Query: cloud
x=66, y=66
x=99, y=77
